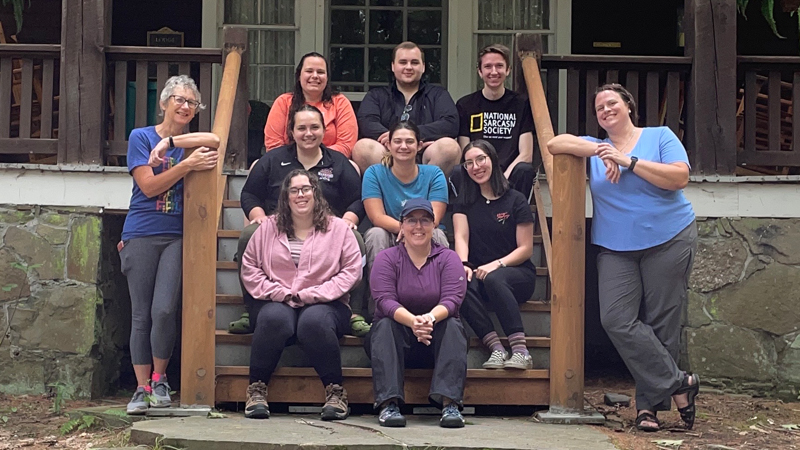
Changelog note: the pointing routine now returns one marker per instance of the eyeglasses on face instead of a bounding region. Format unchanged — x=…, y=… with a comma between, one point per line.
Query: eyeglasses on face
x=470, y=163
x=414, y=221
x=180, y=100
x=406, y=110
x=295, y=191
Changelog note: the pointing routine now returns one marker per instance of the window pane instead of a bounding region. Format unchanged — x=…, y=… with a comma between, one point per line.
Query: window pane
x=425, y=27
x=347, y=2
x=496, y=15
x=433, y=65
x=386, y=2
x=241, y=11
x=347, y=64
x=424, y=2
x=273, y=81
x=277, y=12
x=271, y=47
x=380, y=64
x=532, y=15
x=347, y=88
x=385, y=27
x=347, y=26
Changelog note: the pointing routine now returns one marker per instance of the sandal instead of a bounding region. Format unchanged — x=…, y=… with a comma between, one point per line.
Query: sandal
x=241, y=326
x=647, y=417
x=359, y=326
x=689, y=411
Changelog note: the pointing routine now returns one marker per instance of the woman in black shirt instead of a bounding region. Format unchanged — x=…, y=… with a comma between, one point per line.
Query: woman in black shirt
x=494, y=237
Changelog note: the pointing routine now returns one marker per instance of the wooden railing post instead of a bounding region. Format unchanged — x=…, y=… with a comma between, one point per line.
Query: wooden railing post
x=710, y=27
x=84, y=37
x=200, y=244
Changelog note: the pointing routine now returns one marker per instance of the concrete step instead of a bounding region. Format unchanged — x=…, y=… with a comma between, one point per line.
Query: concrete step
x=301, y=385
x=234, y=350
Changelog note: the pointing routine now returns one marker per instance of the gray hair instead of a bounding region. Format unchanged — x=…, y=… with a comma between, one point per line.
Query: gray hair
x=184, y=81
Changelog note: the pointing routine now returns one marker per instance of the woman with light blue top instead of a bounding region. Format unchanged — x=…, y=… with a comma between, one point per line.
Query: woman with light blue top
x=646, y=229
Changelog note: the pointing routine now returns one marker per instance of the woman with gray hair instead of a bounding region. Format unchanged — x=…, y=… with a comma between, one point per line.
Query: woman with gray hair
x=151, y=246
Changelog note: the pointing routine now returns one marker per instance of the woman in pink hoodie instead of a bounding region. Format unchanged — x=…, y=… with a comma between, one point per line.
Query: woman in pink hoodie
x=301, y=263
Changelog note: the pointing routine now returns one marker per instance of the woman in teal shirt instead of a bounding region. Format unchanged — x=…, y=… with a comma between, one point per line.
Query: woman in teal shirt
x=647, y=233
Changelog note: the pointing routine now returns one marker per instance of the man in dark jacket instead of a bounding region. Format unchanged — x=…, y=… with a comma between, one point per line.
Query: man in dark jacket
x=430, y=107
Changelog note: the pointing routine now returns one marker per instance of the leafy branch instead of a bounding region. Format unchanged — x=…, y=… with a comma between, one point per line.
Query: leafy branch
x=19, y=5
x=768, y=12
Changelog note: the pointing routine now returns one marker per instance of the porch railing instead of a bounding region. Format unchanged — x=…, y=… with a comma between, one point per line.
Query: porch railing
x=136, y=76
x=657, y=84
x=29, y=92
x=769, y=90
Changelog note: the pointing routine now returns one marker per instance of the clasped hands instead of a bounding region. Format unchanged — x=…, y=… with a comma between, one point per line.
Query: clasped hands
x=612, y=159
x=202, y=158
x=423, y=329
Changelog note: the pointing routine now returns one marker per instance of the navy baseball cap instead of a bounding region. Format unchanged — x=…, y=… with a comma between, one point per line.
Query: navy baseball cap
x=416, y=204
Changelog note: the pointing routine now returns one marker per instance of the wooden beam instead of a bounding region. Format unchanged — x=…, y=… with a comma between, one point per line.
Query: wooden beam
x=530, y=48
x=710, y=27
x=568, y=190
x=237, y=142
x=200, y=252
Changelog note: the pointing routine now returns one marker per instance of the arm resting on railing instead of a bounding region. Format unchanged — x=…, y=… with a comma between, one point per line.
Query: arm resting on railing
x=153, y=185
x=572, y=145
x=189, y=140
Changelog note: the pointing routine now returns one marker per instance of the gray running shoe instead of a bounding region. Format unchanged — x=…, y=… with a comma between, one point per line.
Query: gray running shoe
x=139, y=403
x=519, y=361
x=160, y=396
x=496, y=360
x=390, y=416
x=451, y=417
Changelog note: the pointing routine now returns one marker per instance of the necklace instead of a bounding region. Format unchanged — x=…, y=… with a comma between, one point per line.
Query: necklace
x=622, y=149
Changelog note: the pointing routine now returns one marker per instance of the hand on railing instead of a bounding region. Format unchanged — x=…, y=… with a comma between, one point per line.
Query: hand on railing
x=203, y=158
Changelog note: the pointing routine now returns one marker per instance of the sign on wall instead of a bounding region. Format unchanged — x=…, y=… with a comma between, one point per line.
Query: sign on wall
x=165, y=37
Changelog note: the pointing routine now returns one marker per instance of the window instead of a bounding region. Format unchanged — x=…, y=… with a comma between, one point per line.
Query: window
x=498, y=20
x=362, y=34
x=272, y=27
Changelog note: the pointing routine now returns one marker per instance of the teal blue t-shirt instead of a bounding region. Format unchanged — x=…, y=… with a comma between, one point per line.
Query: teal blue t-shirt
x=635, y=214
x=380, y=182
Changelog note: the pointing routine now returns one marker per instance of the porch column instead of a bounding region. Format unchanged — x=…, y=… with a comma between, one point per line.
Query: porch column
x=85, y=33
x=710, y=31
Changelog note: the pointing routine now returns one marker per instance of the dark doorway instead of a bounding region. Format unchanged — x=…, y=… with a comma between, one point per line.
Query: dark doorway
x=131, y=20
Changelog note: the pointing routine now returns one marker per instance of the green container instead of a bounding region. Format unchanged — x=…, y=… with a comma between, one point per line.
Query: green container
x=130, y=105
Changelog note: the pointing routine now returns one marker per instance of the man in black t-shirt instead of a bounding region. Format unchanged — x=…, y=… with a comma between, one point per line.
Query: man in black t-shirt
x=501, y=117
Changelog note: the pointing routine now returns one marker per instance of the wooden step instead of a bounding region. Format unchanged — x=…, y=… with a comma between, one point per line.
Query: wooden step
x=302, y=385
x=531, y=306
x=231, y=265
x=234, y=234
x=223, y=337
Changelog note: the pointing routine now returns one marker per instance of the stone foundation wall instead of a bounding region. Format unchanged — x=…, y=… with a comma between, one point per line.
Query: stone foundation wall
x=53, y=318
x=743, y=321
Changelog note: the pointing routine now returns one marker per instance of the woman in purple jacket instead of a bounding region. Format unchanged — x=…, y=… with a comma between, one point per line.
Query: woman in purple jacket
x=418, y=288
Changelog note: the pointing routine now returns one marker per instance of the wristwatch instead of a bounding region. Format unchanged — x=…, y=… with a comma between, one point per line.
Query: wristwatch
x=432, y=317
x=633, y=163
x=171, y=142
x=502, y=264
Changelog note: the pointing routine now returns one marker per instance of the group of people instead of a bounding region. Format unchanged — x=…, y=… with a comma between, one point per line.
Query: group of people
x=409, y=152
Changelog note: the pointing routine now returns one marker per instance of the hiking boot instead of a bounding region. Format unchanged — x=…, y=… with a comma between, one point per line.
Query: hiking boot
x=160, y=396
x=257, y=407
x=451, y=417
x=335, y=407
x=519, y=361
x=390, y=416
x=496, y=360
x=139, y=403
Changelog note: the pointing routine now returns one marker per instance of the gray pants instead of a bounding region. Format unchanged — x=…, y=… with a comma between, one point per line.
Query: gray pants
x=642, y=296
x=154, y=268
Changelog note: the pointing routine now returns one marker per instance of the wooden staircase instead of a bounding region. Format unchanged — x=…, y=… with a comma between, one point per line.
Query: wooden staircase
x=296, y=382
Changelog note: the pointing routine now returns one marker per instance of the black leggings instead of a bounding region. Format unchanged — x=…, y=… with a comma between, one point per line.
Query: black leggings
x=316, y=328
x=504, y=289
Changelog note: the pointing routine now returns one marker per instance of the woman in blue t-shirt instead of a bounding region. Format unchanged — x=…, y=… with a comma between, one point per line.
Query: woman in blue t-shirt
x=388, y=185
x=647, y=233
x=151, y=246
x=493, y=228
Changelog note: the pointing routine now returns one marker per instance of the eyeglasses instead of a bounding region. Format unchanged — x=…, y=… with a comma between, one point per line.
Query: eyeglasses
x=406, y=110
x=294, y=192
x=470, y=163
x=179, y=100
x=413, y=221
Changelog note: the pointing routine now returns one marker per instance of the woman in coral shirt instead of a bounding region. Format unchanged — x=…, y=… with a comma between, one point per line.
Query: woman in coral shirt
x=311, y=87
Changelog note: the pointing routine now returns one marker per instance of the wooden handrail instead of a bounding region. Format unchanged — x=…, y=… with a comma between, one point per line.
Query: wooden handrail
x=169, y=54
x=200, y=218
x=566, y=179
x=615, y=60
x=32, y=51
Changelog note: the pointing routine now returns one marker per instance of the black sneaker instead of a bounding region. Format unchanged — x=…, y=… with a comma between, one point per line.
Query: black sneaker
x=390, y=416
x=451, y=417
x=257, y=407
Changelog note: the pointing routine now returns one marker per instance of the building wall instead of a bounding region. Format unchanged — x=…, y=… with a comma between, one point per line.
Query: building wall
x=53, y=315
